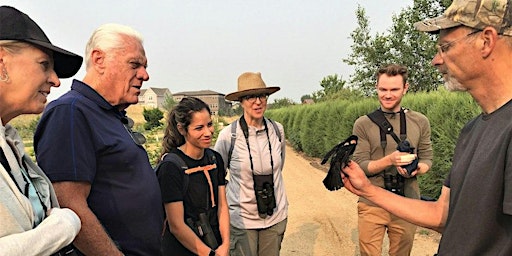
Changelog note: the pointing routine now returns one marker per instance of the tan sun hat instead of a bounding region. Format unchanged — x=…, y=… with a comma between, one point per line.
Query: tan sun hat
x=250, y=83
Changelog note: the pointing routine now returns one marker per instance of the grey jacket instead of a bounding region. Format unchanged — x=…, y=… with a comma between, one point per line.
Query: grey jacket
x=17, y=234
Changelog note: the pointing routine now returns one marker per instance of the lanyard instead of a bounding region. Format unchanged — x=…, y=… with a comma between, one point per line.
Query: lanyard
x=29, y=190
x=245, y=129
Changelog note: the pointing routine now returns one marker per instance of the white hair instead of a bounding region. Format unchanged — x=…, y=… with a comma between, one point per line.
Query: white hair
x=453, y=84
x=109, y=37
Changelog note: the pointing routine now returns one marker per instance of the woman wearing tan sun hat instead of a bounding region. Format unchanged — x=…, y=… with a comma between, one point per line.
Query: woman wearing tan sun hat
x=253, y=148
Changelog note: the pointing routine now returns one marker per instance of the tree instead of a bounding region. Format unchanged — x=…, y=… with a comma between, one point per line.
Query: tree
x=368, y=54
x=152, y=117
x=305, y=97
x=333, y=88
x=415, y=49
x=281, y=103
x=402, y=44
x=332, y=84
x=168, y=103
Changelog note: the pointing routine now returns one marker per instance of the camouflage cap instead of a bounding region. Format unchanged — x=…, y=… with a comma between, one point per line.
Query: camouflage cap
x=472, y=13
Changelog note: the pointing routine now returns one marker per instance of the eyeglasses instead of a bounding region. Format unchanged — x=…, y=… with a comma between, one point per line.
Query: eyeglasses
x=137, y=137
x=252, y=98
x=443, y=48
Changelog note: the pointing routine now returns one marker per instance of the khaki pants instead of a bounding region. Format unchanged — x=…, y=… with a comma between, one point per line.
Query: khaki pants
x=257, y=242
x=373, y=222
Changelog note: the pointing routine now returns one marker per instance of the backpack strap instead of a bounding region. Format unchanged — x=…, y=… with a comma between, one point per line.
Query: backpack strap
x=233, y=139
x=174, y=158
x=276, y=128
x=211, y=156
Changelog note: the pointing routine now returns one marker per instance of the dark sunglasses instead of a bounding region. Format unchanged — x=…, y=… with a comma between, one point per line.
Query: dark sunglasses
x=137, y=137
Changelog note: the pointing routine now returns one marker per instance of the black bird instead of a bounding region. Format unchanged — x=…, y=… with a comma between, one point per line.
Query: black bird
x=340, y=156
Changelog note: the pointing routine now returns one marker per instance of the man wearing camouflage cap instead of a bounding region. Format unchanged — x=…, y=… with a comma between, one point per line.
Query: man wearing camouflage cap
x=474, y=210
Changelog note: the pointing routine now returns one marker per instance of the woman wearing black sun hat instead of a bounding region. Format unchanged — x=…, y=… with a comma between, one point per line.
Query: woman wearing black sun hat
x=30, y=65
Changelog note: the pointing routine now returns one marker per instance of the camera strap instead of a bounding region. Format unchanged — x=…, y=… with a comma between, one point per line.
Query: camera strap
x=233, y=136
x=245, y=130
x=385, y=127
x=29, y=190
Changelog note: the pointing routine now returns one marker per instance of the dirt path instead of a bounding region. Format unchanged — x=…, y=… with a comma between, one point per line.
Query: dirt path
x=323, y=222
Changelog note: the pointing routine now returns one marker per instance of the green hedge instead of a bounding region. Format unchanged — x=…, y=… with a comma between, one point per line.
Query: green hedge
x=316, y=128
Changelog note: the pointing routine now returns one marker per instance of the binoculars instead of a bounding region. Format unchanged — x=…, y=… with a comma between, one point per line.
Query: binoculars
x=265, y=199
x=394, y=183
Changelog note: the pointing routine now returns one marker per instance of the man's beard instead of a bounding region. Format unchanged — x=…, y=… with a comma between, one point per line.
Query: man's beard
x=452, y=84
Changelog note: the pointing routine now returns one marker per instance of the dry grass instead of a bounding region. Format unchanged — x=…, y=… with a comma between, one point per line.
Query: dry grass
x=135, y=113
x=23, y=120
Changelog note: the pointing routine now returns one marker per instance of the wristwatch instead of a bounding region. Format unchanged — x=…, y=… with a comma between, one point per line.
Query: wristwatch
x=212, y=253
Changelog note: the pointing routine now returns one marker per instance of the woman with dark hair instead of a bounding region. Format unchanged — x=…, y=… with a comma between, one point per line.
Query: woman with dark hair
x=31, y=221
x=192, y=181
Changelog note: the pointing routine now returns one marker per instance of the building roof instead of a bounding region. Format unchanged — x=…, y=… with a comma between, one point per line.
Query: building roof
x=197, y=93
x=157, y=91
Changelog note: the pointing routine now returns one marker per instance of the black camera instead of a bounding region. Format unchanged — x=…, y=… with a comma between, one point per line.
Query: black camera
x=405, y=146
x=394, y=183
x=265, y=198
x=203, y=230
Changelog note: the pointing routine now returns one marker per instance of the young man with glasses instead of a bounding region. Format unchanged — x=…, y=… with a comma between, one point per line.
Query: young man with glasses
x=97, y=164
x=474, y=210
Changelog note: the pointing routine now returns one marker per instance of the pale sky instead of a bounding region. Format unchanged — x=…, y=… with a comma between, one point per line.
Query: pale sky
x=205, y=45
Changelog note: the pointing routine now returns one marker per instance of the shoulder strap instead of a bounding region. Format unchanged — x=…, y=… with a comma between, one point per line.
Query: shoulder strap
x=210, y=156
x=233, y=136
x=276, y=128
x=174, y=158
x=5, y=163
x=233, y=139
x=385, y=127
x=3, y=160
x=403, y=125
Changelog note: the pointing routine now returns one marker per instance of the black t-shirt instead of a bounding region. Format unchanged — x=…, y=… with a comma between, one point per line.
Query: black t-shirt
x=479, y=221
x=197, y=198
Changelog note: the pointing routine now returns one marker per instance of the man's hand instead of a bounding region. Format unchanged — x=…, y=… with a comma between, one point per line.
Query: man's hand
x=403, y=172
x=356, y=181
x=398, y=158
x=422, y=169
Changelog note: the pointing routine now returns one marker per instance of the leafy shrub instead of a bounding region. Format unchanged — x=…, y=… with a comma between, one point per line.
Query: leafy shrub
x=316, y=128
x=152, y=117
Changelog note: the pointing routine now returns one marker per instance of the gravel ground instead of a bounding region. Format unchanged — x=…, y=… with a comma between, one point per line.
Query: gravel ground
x=322, y=222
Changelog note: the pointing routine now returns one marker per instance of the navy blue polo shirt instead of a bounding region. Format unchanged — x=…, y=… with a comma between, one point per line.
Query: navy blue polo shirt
x=81, y=137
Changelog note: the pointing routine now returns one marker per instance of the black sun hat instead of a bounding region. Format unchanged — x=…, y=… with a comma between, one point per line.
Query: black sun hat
x=16, y=25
